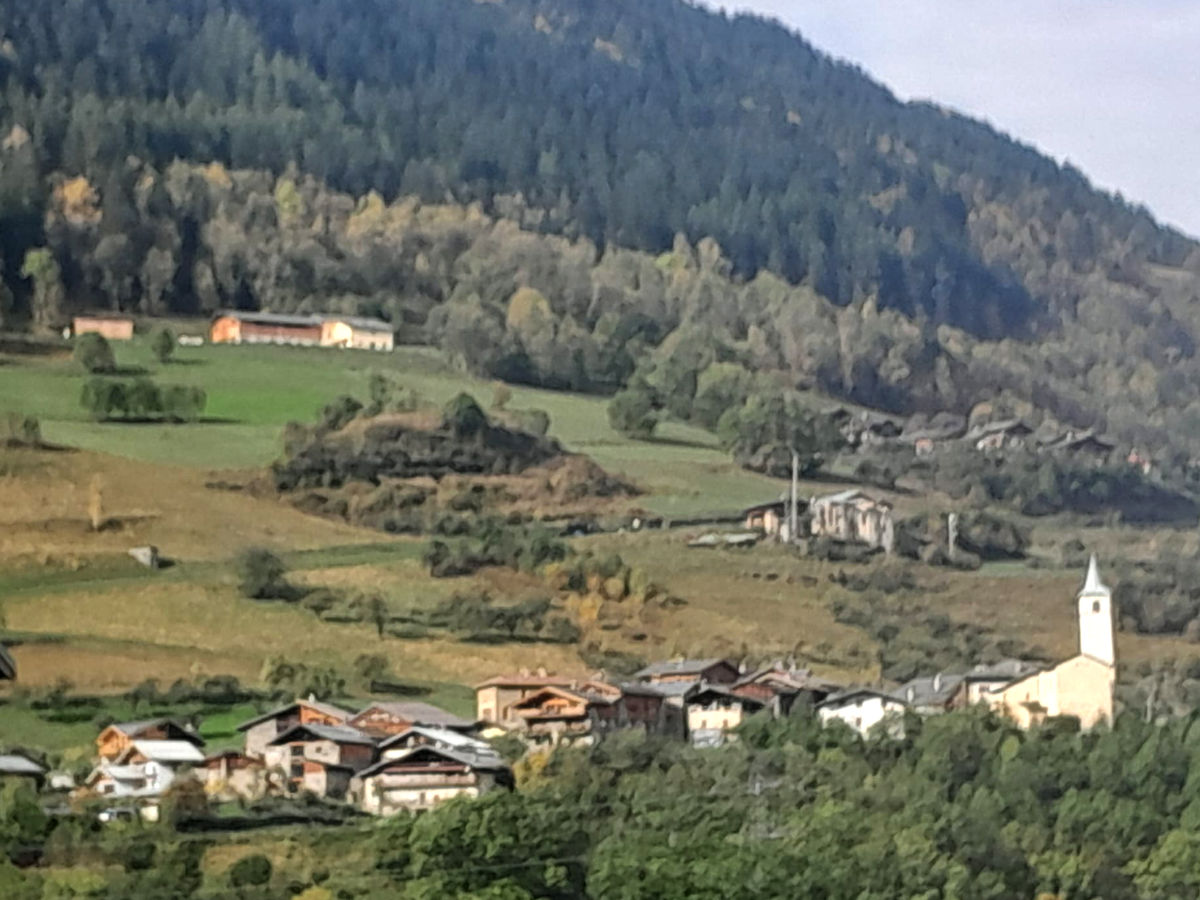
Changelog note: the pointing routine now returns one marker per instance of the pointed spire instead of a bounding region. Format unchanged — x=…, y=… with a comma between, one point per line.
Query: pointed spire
x=1093, y=584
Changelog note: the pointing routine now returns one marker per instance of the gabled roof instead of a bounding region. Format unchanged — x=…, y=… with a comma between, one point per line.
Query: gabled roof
x=681, y=667
x=172, y=752
x=1005, y=426
x=13, y=764
x=419, y=713
x=487, y=762
x=327, y=709
x=269, y=318
x=519, y=681
x=930, y=690
x=140, y=727
x=793, y=679
x=8, y=668
x=339, y=734
x=843, y=697
x=538, y=697
x=117, y=773
x=763, y=507
x=451, y=739
x=850, y=496
x=707, y=691
x=1004, y=670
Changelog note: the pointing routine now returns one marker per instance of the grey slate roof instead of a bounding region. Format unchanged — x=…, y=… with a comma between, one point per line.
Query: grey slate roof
x=842, y=697
x=1004, y=669
x=487, y=762
x=930, y=690
x=718, y=690
x=141, y=726
x=339, y=734
x=12, y=764
x=679, y=667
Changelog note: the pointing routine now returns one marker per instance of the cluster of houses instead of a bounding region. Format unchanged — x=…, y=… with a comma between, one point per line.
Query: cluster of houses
x=410, y=755
x=926, y=435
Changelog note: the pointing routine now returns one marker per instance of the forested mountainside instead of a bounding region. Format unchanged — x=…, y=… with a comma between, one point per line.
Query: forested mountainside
x=812, y=225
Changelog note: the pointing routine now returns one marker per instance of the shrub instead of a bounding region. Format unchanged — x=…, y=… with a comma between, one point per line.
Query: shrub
x=261, y=574
x=163, y=345
x=250, y=871
x=632, y=413
x=464, y=417
x=93, y=352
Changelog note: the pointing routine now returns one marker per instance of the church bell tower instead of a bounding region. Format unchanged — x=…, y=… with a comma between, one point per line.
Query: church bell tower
x=1096, y=618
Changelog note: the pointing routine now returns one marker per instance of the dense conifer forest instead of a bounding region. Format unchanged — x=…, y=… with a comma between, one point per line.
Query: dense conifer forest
x=711, y=189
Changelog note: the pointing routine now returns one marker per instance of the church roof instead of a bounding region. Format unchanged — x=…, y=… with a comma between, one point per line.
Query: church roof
x=1092, y=583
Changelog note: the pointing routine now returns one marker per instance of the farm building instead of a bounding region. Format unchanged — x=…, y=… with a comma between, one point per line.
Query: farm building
x=111, y=328
x=266, y=328
x=262, y=730
x=357, y=333
x=348, y=332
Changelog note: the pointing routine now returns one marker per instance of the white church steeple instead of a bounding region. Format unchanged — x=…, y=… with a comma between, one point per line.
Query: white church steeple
x=1095, y=618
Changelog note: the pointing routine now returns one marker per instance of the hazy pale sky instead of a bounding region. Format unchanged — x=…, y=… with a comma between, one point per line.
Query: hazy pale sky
x=1113, y=86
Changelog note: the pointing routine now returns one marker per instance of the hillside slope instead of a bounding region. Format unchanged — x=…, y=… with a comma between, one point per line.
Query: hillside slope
x=621, y=125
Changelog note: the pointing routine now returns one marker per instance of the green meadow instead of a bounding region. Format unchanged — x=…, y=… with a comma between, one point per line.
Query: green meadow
x=254, y=391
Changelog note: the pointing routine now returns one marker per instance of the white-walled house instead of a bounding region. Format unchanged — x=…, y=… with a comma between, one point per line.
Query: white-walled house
x=862, y=709
x=145, y=769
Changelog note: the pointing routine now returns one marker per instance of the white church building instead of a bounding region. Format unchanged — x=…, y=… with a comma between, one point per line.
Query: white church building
x=1081, y=686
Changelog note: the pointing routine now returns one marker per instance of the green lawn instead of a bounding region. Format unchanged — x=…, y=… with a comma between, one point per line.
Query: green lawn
x=254, y=391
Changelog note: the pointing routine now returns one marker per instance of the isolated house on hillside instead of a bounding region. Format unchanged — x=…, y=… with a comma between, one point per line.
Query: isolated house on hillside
x=425, y=776
x=495, y=697
x=262, y=730
x=109, y=327
x=854, y=517
x=117, y=738
x=388, y=718
x=768, y=518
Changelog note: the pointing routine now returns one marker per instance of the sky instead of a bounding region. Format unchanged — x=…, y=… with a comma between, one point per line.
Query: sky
x=1113, y=86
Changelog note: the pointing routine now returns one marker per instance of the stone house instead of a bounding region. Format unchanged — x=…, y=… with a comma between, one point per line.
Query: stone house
x=145, y=769
x=262, y=730
x=785, y=689
x=232, y=775
x=321, y=758
x=854, y=517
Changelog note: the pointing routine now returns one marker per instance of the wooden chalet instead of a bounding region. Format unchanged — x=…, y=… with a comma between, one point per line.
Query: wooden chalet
x=494, y=698
x=785, y=689
x=117, y=738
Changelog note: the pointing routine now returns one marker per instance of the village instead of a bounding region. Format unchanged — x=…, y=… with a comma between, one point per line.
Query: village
x=393, y=756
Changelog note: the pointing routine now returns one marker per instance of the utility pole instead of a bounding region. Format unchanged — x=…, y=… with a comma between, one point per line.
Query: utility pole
x=794, y=520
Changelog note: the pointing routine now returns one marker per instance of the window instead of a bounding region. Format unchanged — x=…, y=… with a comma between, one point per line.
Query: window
x=1095, y=606
x=858, y=721
x=297, y=749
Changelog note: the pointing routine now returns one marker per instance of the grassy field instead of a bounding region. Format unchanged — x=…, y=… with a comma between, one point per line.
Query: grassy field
x=254, y=391
x=86, y=613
